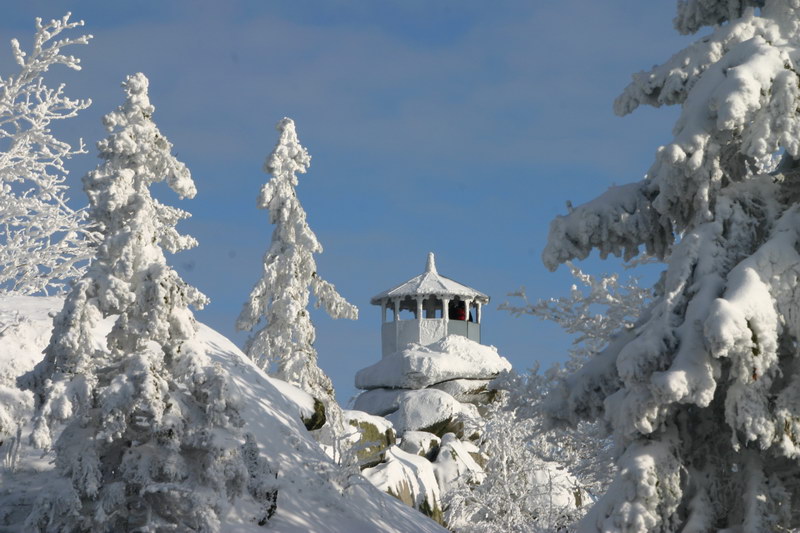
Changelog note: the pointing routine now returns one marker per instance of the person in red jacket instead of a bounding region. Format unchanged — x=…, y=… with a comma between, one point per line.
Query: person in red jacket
x=456, y=311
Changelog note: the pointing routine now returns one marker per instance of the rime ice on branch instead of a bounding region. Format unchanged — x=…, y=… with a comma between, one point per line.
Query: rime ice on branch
x=282, y=294
x=703, y=392
x=151, y=438
x=43, y=242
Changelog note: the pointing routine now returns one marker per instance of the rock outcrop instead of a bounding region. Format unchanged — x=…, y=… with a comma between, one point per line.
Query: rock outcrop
x=433, y=388
x=431, y=395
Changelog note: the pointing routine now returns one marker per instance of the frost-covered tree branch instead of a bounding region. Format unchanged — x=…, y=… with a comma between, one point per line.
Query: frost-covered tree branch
x=577, y=455
x=43, y=242
x=592, y=313
x=538, y=479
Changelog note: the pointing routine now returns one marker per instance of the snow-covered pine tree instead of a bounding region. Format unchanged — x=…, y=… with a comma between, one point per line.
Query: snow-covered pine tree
x=704, y=392
x=281, y=296
x=43, y=242
x=151, y=440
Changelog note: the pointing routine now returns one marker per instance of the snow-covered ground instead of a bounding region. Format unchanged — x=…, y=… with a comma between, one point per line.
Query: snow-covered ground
x=313, y=493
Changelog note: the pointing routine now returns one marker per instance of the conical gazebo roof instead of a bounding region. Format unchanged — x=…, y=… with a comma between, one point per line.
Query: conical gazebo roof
x=430, y=283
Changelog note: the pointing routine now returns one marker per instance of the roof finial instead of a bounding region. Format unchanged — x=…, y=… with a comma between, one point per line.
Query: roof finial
x=431, y=266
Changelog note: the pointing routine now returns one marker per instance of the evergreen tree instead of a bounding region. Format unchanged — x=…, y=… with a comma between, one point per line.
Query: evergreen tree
x=43, y=242
x=282, y=294
x=151, y=440
x=702, y=393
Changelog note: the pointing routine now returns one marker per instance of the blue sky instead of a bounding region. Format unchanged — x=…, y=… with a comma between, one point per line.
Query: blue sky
x=458, y=127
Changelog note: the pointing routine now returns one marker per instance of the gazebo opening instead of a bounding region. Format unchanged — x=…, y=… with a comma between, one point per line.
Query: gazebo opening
x=408, y=309
x=432, y=307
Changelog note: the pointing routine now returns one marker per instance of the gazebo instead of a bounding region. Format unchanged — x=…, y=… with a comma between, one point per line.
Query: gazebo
x=426, y=309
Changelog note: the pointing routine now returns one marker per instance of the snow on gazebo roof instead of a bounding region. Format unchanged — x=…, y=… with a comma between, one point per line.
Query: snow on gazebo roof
x=430, y=283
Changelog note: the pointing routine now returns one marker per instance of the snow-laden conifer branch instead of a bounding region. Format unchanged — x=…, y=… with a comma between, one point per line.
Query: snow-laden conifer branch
x=694, y=14
x=43, y=242
x=618, y=222
x=738, y=89
x=671, y=82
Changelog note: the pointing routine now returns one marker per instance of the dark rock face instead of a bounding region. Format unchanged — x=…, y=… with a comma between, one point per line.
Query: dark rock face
x=372, y=444
x=448, y=425
x=316, y=420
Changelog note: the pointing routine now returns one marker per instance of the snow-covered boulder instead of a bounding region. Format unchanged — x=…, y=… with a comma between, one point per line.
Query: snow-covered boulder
x=428, y=392
x=313, y=493
x=455, y=464
x=475, y=391
x=410, y=479
x=379, y=402
x=371, y=436
x=564, y=490
x=383, y=401
x=417, y=367
x=420, y=443
x=431, y=410
x=305, y=403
